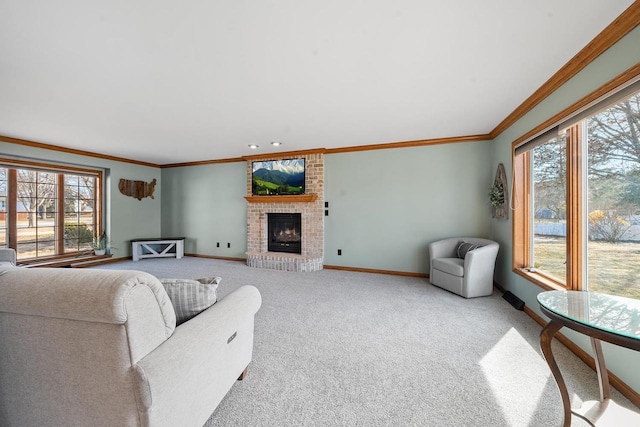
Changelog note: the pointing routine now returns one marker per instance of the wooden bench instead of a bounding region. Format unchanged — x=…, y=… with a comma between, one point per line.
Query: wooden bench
x=163, y=247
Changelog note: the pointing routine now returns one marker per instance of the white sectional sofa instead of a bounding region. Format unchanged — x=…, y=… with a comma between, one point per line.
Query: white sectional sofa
x=100, y=348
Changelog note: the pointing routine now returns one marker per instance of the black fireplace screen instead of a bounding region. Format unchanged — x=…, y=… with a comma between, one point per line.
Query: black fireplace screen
x=285, y=232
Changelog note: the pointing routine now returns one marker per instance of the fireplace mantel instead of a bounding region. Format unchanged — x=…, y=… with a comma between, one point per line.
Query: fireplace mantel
x=305, y=198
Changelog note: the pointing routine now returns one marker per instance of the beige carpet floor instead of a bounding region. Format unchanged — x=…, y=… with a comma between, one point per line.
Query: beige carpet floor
x=336, y=348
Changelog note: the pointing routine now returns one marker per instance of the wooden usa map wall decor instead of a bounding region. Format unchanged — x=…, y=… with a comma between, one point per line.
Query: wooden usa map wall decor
x=137, y=189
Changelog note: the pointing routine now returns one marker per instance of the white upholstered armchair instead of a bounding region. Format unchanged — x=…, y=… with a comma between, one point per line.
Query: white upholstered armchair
x=465, y=272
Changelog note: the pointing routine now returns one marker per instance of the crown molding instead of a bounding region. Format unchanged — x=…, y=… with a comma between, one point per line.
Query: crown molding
x=51, y=147
x=284, y=154
x=619, y=80
x=620, y=27
x=407, y=144
x=202, y=162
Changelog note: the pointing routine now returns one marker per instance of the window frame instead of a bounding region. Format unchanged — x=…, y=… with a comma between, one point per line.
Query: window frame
x=522, y=187
x=523, y=215
x=12, y=165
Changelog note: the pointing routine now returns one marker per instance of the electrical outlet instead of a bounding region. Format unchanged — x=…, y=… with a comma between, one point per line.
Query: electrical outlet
x=218, y=245
x=339, y=251
x=228, y=245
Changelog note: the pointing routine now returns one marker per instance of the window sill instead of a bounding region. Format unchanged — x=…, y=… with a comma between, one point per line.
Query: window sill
x=538, y=279
x=63, y=261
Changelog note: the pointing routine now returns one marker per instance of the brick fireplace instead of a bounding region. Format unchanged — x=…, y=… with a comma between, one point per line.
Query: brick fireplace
x=310, y=206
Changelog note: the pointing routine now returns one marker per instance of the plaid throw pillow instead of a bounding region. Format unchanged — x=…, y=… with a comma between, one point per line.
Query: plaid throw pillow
x=190, y=297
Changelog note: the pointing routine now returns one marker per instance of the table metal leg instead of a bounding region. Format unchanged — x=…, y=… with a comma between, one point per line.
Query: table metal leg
x=601, y=369
x=546, y=336
x=594, y=411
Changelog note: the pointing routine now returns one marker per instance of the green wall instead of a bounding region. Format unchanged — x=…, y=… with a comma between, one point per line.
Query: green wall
x=385, y=206
x=613, y=62
x=206, y=205
x=126, y=218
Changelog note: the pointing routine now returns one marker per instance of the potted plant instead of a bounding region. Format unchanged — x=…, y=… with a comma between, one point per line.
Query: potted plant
x=100, y=243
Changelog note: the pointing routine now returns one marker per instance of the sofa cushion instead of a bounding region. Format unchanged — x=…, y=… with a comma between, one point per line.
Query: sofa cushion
x=453, y=266
x=464, y=248
x=191, y=297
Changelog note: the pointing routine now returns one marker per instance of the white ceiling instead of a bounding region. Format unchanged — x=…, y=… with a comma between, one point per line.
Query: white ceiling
x=177, y=81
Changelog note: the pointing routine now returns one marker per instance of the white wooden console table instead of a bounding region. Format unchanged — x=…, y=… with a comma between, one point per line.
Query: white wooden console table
x=163, y=247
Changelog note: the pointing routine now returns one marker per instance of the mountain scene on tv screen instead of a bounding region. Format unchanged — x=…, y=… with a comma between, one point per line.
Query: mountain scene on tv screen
x=278, y=177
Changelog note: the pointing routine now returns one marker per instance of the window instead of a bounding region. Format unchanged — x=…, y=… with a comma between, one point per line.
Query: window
x=46, y=211
x=577, y=216
x=79, y=212
x=613, y=199
x=549, y=176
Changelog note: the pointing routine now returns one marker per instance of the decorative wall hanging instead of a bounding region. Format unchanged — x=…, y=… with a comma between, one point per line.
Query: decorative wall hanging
x=499, y=195
x=137, y=189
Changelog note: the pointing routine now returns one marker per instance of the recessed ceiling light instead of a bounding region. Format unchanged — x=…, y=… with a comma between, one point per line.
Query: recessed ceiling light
x=253, y=146
x=276, y=143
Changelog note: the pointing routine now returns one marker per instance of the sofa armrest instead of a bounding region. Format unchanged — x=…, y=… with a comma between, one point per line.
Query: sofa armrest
x=198, y=363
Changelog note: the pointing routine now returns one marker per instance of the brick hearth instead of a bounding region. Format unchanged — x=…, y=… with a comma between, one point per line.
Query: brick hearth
x=311, y=258
x=283, y=261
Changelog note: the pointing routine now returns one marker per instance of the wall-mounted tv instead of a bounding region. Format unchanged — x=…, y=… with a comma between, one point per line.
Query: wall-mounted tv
x=277, y=177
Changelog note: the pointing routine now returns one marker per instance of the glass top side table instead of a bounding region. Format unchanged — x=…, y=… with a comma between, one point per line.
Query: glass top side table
x=602, y=318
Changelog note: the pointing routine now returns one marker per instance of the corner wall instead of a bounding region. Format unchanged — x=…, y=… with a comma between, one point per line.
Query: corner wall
x=206, y=205
x=126, y=218
x=613, y=62
x=386, y=206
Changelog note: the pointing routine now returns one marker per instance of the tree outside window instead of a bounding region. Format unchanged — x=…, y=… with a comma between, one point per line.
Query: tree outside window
x=580, y=229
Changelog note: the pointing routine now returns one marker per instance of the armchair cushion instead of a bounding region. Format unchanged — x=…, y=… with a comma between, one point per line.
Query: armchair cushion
x=191, y=297
x=453, y=266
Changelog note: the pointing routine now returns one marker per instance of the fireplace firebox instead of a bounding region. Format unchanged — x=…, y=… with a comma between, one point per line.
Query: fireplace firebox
x=285, y=232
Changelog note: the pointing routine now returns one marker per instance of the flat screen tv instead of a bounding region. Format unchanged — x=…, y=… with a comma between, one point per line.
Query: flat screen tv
x=277, y=177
